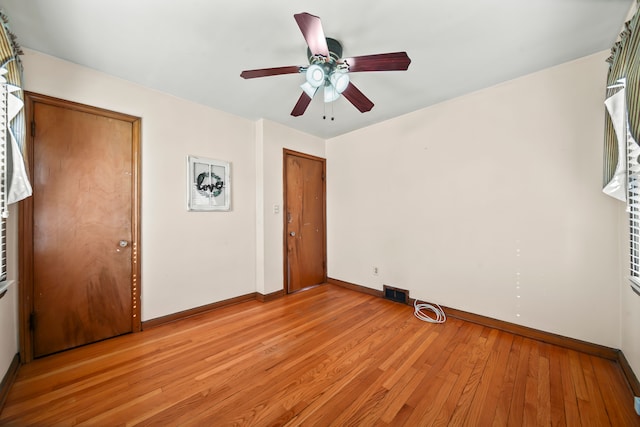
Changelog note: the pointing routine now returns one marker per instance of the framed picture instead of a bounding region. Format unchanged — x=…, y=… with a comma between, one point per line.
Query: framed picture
x=208, y=184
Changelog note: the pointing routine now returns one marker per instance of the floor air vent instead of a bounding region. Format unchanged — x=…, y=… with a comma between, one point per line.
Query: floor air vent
x=396, y=294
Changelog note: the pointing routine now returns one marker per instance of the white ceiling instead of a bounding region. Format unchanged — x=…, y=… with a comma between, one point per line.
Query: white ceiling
x=196, y=49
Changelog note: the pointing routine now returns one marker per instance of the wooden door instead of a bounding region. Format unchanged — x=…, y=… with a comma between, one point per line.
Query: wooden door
x=305, y=225
x=84, y=225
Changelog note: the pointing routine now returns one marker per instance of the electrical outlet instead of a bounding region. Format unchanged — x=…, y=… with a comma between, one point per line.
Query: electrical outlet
x=375, y=271
x=636, y=404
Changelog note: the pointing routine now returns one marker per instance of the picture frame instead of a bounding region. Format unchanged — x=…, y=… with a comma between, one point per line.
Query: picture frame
x=208, y=184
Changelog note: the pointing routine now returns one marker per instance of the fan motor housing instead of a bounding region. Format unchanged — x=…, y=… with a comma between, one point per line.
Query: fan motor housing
x=335, y=51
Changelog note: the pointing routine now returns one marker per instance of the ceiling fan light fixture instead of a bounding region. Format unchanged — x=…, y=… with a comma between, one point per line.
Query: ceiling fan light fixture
x=315, y=75
x=308, y=89
x=339, y=80
x=330, y=94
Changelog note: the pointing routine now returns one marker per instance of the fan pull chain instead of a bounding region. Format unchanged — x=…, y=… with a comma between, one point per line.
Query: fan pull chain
x=324, y=116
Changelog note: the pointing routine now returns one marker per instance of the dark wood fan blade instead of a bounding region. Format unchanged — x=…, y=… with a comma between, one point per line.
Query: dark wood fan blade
x=313, y=33
x=301, y=105
x=264, y=72
x=357, y=98
x=396, y=61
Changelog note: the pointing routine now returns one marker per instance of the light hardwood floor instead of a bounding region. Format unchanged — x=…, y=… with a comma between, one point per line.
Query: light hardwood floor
x=325, y=356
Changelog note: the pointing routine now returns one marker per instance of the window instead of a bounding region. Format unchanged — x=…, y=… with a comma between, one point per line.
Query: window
x=633, y=209
x=14, y=181
x=625, y=183
x=3, y=188
x=622, y=130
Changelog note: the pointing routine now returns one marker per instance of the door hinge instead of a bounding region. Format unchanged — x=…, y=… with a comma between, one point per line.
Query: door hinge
x=33, y=128
x=32, y=321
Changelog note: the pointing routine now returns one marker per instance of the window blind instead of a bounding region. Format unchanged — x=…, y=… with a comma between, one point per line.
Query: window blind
x=633, y=209
x=11, y=116
x=624, y=65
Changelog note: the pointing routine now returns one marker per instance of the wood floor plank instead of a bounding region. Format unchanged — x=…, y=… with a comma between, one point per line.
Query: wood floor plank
x=485, y=366
x=597, y=410
x=325, y=356
x=257, y=388
x=349, y=346
x=437, y=382
x=507, y=384
x=401, y=392
x=278, y=390
x=570, y=397
x=494, y=379
x=543, y=395
x=365, y=410
x=518, y=397
x=610, y=383
x=530, y=413
x=455, y=408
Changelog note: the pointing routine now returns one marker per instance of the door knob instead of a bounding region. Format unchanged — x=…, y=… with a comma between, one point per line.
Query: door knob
x=123, y=243
x=292, y=234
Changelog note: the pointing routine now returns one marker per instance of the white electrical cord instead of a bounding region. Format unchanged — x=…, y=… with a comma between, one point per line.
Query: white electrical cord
x=420, y=314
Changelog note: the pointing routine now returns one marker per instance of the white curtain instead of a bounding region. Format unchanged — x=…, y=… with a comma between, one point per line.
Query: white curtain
x=17, y=185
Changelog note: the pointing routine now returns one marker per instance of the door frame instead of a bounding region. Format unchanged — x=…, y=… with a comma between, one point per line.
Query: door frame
x=25, y=219
x=287, y=152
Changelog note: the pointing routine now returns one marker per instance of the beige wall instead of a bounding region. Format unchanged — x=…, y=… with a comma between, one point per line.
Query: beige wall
x=488, y=203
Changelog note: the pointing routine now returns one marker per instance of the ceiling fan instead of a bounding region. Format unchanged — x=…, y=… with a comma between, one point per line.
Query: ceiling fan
x=328, y=70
